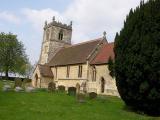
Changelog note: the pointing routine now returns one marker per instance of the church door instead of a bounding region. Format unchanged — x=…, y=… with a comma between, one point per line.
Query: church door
x=102, y=85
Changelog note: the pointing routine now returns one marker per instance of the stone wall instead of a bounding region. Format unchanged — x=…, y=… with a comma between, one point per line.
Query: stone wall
x=73, y=72
x=45, y=81
x=35, y=81
x=102, y=72
x=44, y=52
x=40, y=81
x=62, y=79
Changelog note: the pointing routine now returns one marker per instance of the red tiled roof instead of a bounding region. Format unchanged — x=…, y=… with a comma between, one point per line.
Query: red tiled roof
x=75, y=54
x=104, y=54
x=45, y=70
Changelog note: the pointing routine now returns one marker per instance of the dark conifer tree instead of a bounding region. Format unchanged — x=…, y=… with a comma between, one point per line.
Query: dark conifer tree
x=111, y=67
x=137, y=58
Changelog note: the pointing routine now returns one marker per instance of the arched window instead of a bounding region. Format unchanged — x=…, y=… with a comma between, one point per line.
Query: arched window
x=94, y=73
x=80, y=71
x=60, y=35
x=36, y=82
x=102, y=85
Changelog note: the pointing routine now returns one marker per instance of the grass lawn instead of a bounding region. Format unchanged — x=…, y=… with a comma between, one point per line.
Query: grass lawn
x=54, y=106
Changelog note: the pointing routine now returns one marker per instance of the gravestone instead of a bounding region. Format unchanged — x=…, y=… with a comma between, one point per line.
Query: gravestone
x=6, y=88
x=51, y=87
x=18, y=89
x=29, y=89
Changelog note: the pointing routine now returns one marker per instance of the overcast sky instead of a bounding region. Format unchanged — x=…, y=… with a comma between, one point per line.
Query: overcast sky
x=90, y=18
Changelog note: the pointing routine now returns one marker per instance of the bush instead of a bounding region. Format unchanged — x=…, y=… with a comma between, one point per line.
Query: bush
x=137, y=58
x=18, y=82
x=61, y=88
x=72, y=91
x=92, y=95
x=81, y=98
x=51, y=87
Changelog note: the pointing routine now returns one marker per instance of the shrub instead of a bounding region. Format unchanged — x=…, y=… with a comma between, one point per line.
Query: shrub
x=18, y=82
x=137, y=58
x=72, y=91
x=111, y=67
x=51, y=87
x=92, y=95
x=81, y=98
x=61, y=88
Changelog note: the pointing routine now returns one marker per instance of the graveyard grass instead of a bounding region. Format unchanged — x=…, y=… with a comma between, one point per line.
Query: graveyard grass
x=59, y=106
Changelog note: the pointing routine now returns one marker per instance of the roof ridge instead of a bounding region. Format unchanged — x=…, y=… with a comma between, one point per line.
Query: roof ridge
x=111, y=42
x=85, y=42
x=46, y=65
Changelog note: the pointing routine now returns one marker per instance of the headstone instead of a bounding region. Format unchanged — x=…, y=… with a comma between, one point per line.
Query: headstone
x=29, y=89
x=6, y=88
x=18, y=89
x=51, y=87
x=72, y=91
x=84, y=88
x=81, y=98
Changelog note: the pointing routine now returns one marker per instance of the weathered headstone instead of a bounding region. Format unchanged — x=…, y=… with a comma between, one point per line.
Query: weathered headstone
x=92, y=95
x=72, y=91
x=81, y=98
x=51, y=87
x=61, y=88
x=29, y=89
x=6, y=88
x=18, y=89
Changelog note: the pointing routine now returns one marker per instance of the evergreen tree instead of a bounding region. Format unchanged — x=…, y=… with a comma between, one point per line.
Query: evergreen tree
x=111, y=67
x=137, y=58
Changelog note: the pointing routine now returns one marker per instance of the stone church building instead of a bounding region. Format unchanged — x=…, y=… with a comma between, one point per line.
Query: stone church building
x=84, y=64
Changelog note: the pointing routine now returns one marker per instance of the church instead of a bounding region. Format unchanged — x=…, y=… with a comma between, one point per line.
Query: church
x=84, y=64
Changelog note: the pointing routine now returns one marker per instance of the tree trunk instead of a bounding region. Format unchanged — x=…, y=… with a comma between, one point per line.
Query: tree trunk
x=6, y=74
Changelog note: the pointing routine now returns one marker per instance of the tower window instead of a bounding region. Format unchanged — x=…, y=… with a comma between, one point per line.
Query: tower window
x=60, y=36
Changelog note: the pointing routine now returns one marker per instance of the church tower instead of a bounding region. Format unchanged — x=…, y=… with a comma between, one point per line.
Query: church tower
x=56, y=35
